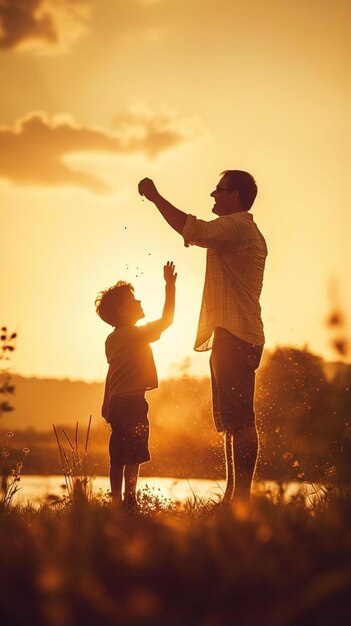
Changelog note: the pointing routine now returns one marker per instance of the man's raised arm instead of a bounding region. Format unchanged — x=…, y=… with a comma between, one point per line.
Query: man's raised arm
x=175, y=218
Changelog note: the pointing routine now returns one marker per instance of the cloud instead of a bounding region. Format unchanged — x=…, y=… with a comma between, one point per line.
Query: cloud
x=154, y=133
x=36, y=150
x=42, y=24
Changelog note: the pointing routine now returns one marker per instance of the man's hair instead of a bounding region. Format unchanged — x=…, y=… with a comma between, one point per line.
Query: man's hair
x=108, y=301
x=245, y=184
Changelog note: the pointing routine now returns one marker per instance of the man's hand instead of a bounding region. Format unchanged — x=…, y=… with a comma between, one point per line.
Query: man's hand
x=147, y=188
x=173, y=216
x=169, y=274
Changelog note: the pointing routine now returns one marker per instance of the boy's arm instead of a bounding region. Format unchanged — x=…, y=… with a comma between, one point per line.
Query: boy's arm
x=104, y=410
x=170, y=277
x=173, y=216
x=151, y=332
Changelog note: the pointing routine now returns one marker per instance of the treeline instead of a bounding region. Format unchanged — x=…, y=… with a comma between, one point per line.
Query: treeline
x=303, y=408
x=303, y=415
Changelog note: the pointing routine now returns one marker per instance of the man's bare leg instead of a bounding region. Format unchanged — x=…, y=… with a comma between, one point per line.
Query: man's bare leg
x=116, y=477
x=245, y=458
x=228, y=452
x=131, y=473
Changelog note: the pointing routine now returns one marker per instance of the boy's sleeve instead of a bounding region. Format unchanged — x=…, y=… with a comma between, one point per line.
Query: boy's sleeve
x=149, y=332
x=218, y=233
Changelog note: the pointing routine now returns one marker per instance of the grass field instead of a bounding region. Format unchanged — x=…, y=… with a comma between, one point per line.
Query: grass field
x=274, y=564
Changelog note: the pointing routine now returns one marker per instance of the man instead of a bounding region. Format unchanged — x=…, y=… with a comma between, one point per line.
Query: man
x=230, y=318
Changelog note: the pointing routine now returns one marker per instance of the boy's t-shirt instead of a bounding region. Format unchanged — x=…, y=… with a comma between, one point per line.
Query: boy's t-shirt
x=132, y=365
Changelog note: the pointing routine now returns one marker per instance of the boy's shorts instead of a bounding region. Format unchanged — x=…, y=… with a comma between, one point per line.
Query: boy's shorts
x=130, y=430
x=233, y=363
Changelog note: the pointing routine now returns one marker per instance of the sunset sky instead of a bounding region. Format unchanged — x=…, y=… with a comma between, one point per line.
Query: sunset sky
x=97, y=94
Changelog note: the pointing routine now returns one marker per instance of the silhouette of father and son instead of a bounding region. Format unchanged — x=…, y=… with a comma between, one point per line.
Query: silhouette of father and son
x=230, y=325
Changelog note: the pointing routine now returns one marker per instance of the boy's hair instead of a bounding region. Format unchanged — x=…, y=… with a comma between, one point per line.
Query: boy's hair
x=245, y=184
x=108, y=301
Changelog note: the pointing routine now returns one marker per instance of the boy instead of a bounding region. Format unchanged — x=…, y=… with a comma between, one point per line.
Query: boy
x=131, y=373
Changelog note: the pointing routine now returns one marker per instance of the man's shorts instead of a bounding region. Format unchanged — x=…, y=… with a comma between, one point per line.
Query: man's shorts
x=130, y=430
x=233, y=363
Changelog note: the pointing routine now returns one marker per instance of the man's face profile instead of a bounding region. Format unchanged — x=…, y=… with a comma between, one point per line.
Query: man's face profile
x=225, y=200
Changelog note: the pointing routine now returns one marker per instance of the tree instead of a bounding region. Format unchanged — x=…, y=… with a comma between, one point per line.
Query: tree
x=7, y=346
x=294, y=413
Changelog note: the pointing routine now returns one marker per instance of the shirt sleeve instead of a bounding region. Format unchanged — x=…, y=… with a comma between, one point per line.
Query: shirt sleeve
x=219, y=233
x=148, y=333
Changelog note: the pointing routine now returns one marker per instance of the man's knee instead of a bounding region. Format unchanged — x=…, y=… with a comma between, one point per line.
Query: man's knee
x=243, y=427
x=247, y=432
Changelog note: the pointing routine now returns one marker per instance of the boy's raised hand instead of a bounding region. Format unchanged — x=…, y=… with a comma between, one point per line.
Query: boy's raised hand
x=169, y=274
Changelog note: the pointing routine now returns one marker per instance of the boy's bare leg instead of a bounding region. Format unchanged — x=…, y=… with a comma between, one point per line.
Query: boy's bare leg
x=245, y=458
x=116, y=478
x=131, y=473
x=228, y=452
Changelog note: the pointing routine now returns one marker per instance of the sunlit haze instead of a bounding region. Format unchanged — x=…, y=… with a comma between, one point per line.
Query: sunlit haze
x=115, y=91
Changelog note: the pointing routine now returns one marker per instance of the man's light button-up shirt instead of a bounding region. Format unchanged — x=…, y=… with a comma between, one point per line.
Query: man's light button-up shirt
x=236, y=255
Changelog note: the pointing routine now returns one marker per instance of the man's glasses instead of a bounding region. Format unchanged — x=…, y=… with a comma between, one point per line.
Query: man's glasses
x=218, y=189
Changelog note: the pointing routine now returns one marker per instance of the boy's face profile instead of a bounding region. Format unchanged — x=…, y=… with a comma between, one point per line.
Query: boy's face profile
x=131, y=310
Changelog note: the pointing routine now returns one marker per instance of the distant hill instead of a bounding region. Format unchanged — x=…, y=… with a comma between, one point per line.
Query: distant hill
x=40, y=402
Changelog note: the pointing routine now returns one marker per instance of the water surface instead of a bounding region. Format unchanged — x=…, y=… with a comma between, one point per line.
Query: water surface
x=37, y=489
